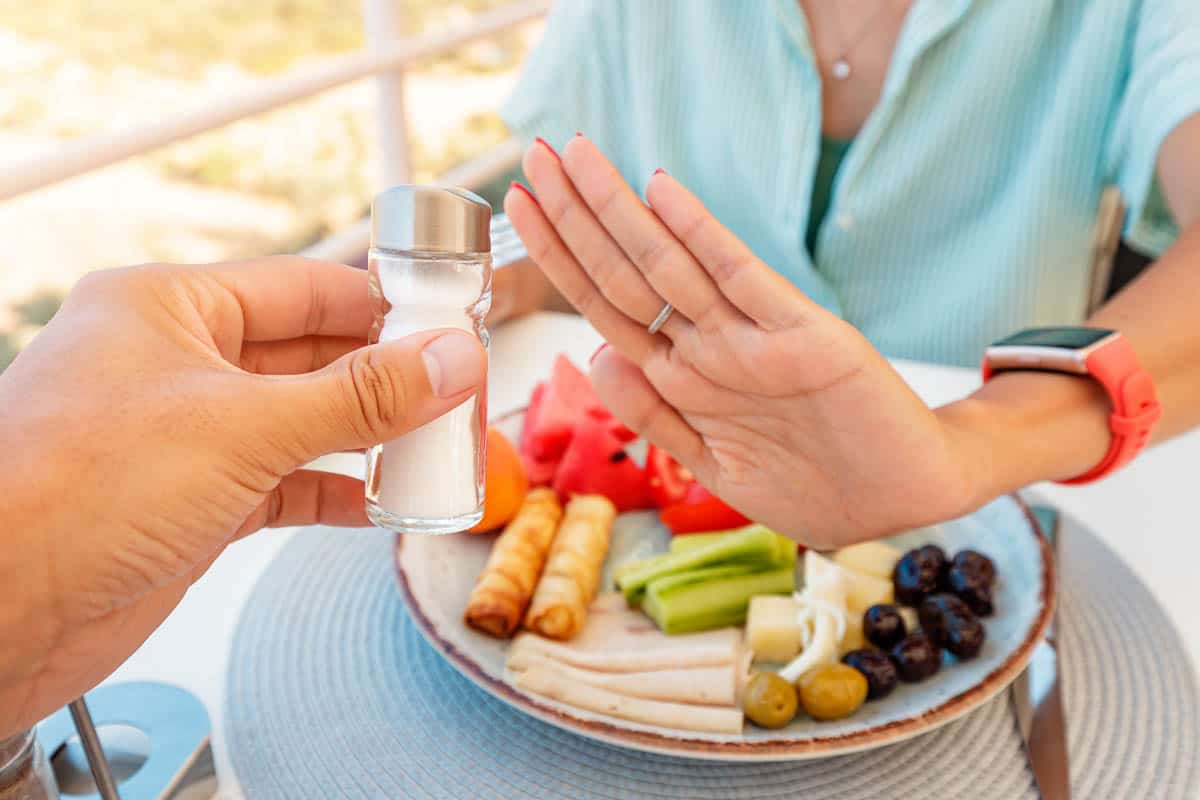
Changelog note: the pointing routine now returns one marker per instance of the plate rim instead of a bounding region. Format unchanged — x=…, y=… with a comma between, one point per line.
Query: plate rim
x=760, y=750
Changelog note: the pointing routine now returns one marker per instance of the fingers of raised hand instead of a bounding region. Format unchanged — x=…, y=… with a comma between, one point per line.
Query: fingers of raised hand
x=756, y=290
x=586, y=237
x=650, y=253
x=627, y=392
x=547, y=249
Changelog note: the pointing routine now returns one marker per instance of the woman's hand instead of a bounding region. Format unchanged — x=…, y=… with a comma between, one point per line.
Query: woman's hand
x=165, y=412
x=779, y=407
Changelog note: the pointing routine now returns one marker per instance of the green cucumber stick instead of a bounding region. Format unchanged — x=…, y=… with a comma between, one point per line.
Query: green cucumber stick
x=752, y=544
x=686, y=542
x=627, y=568
x=692, y=606
x=669, y=583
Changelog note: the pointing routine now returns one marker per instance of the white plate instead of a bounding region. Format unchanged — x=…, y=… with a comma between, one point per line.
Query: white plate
x=436, y=574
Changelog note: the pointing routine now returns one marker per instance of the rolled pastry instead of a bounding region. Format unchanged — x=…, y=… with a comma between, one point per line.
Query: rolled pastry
x=506, y=584
x=572, y=573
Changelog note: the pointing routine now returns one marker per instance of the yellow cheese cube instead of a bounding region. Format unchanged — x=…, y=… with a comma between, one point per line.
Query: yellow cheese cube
x=773, y=628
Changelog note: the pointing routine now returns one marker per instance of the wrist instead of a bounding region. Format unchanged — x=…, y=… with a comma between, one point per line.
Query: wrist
x=1023, y=427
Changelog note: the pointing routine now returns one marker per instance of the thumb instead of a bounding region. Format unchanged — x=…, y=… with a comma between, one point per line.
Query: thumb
x=377, y=393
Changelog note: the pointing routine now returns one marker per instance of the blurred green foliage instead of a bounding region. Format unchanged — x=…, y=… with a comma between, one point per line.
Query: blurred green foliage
x=39, y=308
x=28, y=316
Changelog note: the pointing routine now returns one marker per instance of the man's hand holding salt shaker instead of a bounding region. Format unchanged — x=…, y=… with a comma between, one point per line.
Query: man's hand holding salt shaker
x=166, y=412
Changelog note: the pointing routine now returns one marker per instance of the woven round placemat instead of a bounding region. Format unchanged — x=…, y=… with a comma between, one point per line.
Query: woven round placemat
x=333, y=693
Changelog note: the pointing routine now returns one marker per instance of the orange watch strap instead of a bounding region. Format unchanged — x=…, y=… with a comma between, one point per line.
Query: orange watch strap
x=1136, y=410
x=1135, y=406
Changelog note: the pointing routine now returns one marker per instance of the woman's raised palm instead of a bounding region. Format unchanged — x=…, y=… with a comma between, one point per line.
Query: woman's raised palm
x=781, y=408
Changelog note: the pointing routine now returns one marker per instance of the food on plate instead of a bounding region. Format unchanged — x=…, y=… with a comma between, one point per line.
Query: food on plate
x=832, y=691
x=668, y=480
x=823, y=616
x=862, y=590
x=974, y=561
x=701, y=510
x=622, y=665
x=555, y=408
x=712, y=597
x=773, y=628
x=619, y=639
x=874, y=558
x=572, y=572
x=595, y=462
x=918, y=574
x=935, y=612
x=965, y=637
x=883, y=626
x=571, y=441
x=916, y=657
x=687, y=507
x=505, y=484
x=505, y=586
x=951, y=625
x=713, y=686
x=786, y=551
x=707, y=580
x=755, y=545
x=972, y=585
x=769, y=701
x=557, y=685
x=877, y=668
x=853, y=638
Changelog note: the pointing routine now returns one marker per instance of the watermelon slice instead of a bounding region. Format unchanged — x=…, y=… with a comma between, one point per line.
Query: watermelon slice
x=540, y=472
x=595, y=462
x=564, y=402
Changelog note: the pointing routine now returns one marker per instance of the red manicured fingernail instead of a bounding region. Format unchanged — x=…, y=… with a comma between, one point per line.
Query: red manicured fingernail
x=521, y=188
x=596, y=354
x=546, y=145
x=660, y=171
x=578, y=133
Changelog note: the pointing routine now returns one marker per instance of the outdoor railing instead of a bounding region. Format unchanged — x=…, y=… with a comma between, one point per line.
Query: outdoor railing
x=386, y=57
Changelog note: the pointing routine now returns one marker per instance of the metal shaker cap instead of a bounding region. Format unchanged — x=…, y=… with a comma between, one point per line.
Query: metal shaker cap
x=431, y=218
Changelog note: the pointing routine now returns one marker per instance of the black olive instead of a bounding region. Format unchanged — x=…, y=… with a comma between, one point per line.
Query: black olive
x=975, y=561
x=918, y=573
x=964, y=636
x=935, y=613
x=916, y=657
x=883, y=626
x=877, y=668
x=972, y=587
x=933, y=554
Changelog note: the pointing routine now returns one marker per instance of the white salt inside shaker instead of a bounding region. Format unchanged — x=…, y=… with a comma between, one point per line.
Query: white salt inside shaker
x=430, y=268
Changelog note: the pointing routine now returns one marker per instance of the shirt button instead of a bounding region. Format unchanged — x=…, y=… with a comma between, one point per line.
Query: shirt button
x=844, y=221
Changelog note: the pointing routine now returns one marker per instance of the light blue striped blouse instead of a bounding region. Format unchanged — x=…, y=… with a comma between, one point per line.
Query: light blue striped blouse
x=964, y=209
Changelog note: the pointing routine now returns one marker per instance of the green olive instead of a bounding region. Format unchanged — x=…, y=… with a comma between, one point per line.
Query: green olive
x=832, y=691
x=769, y=701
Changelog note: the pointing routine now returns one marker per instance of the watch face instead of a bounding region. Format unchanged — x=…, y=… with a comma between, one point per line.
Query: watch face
x=1061, y=338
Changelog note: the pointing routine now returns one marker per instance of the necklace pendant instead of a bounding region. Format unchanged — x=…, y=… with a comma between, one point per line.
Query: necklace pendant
x=841, y=69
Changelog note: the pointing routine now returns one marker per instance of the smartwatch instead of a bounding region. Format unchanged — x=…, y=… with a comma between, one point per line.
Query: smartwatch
x=1105, y=356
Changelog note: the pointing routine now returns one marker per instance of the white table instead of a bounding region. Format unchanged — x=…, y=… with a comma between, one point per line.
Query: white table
x=1144, y=513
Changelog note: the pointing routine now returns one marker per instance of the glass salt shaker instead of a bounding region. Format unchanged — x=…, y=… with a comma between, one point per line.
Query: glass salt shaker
x=25, y=772
x=430, y=267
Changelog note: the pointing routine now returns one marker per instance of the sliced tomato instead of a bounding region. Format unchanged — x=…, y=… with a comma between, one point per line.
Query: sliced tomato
x=669, y=480
x=702, y=511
